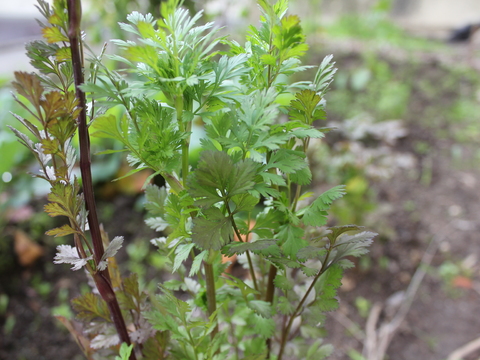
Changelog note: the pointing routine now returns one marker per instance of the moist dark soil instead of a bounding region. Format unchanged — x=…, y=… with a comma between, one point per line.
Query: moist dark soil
x=437, y=200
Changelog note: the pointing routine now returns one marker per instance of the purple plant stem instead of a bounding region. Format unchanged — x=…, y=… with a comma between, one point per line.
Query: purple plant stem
x=102, y=278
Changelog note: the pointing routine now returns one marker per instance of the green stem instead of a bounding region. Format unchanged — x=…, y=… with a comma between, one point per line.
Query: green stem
x=297, y=196
x=270, y=285
x=249, y=258
x=186, y=142
x=269, y=297
x=252, y=270
x=211, y=296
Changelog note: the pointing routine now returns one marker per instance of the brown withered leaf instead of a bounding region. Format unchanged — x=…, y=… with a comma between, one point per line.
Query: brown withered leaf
x=26, y=249
x=53, y=106
x=91, y=307
x=81, y=340
x=28, y=85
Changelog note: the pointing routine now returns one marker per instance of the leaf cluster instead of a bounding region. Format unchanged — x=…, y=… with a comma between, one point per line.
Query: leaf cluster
x=243, y=199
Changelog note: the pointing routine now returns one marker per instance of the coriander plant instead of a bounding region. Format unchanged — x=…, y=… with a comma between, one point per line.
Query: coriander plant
x=249, y=184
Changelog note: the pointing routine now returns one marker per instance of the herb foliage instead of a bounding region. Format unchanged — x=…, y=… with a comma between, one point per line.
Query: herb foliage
x=248, y=185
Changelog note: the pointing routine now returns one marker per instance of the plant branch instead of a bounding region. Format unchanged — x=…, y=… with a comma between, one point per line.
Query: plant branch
x=269, y=297
x=85, y=162
x=249, y=258
x=211, y=296
x=185, y=142
x=286, y=330
x=102, y=278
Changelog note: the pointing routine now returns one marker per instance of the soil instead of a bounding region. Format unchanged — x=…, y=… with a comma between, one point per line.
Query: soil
x=436, y=200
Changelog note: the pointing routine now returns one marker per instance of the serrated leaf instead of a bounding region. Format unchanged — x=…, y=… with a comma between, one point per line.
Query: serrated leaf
x=105, y=341
x=62, y=231
x=63, y=54
x=24, y=139
x=67, y=254
x=336, y=231
x=40, y=52
x=244, y=202
x=345, y=263
x=326, y=304
x=285, y=306
x=218, y=178
x=113, y=247
x=163, y=322
x=91, y=307
x=125, y=351
x=29, y=86
x=302, y=176
x=308, y=271
x=107, y=126
x=353, y=245
x=314, y=315
x=181, y=254
x=55, y=209
x=285, y=262
x=324, y=75
x=287, y=161
x=282, y=282
x=212, y=231
x=255, y=246
x=53, y=35
x=131, y=297
x=155, y=199
x=273, y=179
x=153, y=349
x=110, y=251
x=289, y=38
x=311, y=252
x=50, y=146
x=269, y=59
x=329, y=281
x=326, y=288
x=65, y=196
x=309, y=132
x=197, y=263
x=306, y=107
x=267, y=223
x=316, y=214
x=240, y=284
x=263, y=308
x=264, y=327
x=174, y=285
x=272, y=250
x=292, y=237
x=157, y=223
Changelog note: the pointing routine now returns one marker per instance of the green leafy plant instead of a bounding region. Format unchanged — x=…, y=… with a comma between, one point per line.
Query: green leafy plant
x=248, y=184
